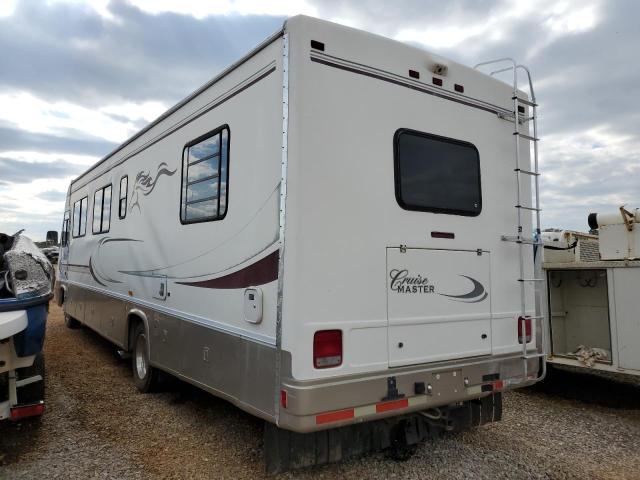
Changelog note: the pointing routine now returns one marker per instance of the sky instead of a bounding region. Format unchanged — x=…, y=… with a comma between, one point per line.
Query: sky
x=77, y=78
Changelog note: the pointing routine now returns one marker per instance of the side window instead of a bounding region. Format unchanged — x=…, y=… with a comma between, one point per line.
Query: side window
x=436, y=174
x=205, y=171
x=102, y=210
x=64, y=241
x=122, y=204
x=80, y=217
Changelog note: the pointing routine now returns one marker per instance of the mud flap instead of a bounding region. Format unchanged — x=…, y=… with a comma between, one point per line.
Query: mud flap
x=475, y=413
x=285, y=450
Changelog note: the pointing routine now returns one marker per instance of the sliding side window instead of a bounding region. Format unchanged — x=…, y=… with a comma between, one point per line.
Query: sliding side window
x=80, y=217
x=205, y=170
x=102, y=210
x=122, y=204
x=436, y=174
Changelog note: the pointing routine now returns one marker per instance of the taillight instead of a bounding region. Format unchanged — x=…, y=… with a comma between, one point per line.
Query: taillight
x=524, y=322
x=283, y=399
x=327, y=348
x=18, y=413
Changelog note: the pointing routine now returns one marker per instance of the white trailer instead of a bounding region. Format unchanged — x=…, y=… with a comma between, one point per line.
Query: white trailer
x=318, y=236
x=592, y=288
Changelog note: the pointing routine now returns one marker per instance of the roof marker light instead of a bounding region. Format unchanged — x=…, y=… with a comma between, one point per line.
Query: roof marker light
x=458, y=88
x=317, y=45
x=437, y=81
x=414, y=74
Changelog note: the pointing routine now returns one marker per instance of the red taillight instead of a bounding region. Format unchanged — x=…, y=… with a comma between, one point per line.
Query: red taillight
x=327, y=348
x=283, y=398
x=524, y=322
x=18, y=413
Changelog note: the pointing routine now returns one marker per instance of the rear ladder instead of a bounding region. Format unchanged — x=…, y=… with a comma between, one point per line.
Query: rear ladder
x=518, y=117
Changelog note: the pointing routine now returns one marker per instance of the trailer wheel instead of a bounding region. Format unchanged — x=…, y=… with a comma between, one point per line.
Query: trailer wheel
x=33, y=392
x=145, y=376
x=71, y=322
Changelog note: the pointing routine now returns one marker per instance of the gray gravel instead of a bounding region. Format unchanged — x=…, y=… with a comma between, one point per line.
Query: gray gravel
x=97, y=426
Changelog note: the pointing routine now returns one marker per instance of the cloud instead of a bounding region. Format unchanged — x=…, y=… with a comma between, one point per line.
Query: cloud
x=53, y=196
x=16, y=171
x=63, y=51
x=16, y=139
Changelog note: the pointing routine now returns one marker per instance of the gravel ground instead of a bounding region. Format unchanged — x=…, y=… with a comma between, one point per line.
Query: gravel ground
x=97, y=426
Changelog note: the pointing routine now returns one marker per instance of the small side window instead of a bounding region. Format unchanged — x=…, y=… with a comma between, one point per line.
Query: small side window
x=80, y=217
x=205, y=172
x=102, y=210
x=64, y=241
x=122, y=204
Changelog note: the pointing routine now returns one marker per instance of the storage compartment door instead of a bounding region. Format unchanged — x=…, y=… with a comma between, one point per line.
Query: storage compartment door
x=438, y=305
x=625, y=281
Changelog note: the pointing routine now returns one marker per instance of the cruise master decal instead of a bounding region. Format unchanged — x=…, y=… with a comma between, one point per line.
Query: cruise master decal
x=404, y=282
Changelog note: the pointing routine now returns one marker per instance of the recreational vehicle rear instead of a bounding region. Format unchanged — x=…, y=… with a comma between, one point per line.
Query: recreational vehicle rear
x=325, y=235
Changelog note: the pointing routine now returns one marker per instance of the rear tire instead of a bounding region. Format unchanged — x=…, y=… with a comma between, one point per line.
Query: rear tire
x=71, y=322
x=34, y=392
x=145, y=376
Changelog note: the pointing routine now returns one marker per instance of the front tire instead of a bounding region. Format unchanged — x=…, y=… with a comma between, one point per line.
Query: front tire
x=145, y=376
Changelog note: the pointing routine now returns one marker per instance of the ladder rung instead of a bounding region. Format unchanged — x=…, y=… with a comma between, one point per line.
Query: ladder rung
x=530, y=279
x=526, y=137
x=525, y=102
x=535, y=355
x=520, y=239
x=526, y=172
x=533, y=209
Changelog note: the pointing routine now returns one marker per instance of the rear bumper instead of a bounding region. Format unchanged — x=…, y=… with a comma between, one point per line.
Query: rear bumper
x=319, y=405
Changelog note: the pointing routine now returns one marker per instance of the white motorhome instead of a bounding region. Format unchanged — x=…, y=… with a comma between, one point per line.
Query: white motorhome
x=320, y=236
x=592, y=289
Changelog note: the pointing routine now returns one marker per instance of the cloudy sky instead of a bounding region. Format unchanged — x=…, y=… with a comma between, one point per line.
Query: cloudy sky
x=79, y=77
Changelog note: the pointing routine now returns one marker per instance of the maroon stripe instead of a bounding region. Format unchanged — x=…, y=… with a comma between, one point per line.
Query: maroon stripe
x=258, y=273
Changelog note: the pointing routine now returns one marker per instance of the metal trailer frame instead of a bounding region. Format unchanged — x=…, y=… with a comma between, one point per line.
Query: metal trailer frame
x=621, y=278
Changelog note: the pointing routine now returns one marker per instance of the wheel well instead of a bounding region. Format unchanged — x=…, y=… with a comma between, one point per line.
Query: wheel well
x=132, y=321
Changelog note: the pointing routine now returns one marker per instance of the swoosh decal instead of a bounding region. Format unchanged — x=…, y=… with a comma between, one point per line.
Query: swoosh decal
x=478, y=293
x=263, y=271
x=91, y=271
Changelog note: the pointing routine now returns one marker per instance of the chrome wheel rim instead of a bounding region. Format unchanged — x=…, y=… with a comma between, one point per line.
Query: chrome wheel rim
x=141, y=357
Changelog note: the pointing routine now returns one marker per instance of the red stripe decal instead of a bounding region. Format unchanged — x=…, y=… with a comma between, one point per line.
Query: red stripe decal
x=394, y=405
x=335, y=416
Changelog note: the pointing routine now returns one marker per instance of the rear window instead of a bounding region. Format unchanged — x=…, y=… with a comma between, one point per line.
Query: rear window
x=436, y=174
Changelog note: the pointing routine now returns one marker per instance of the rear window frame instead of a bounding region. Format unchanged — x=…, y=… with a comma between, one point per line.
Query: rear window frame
x=397, y=174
